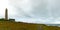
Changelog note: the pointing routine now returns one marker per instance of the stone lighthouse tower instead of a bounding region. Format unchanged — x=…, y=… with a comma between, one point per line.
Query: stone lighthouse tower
x=6, y=14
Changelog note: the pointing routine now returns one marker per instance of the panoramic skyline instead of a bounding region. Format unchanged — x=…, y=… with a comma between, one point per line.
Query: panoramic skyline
x=32, y=11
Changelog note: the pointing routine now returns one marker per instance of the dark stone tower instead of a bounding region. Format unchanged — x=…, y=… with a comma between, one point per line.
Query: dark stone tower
x=6, y=14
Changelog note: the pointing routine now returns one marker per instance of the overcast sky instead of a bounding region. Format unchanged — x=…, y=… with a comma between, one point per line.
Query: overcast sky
x=32, y=11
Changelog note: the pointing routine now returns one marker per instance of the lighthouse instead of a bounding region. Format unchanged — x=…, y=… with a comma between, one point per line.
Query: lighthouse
x=6, y=14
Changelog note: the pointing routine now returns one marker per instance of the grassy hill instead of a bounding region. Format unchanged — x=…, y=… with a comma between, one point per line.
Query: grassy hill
x=9, y=25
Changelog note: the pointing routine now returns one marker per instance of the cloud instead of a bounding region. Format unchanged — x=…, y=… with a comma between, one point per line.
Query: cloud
x=36, y=11
x=3, y=5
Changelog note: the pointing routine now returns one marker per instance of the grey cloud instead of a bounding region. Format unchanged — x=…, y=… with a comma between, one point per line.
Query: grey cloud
x=36, y=8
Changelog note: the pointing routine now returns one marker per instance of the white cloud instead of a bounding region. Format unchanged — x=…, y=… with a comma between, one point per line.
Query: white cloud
x=3, y=5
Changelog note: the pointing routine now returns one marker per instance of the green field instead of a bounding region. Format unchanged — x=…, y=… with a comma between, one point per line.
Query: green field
x=9, y=25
